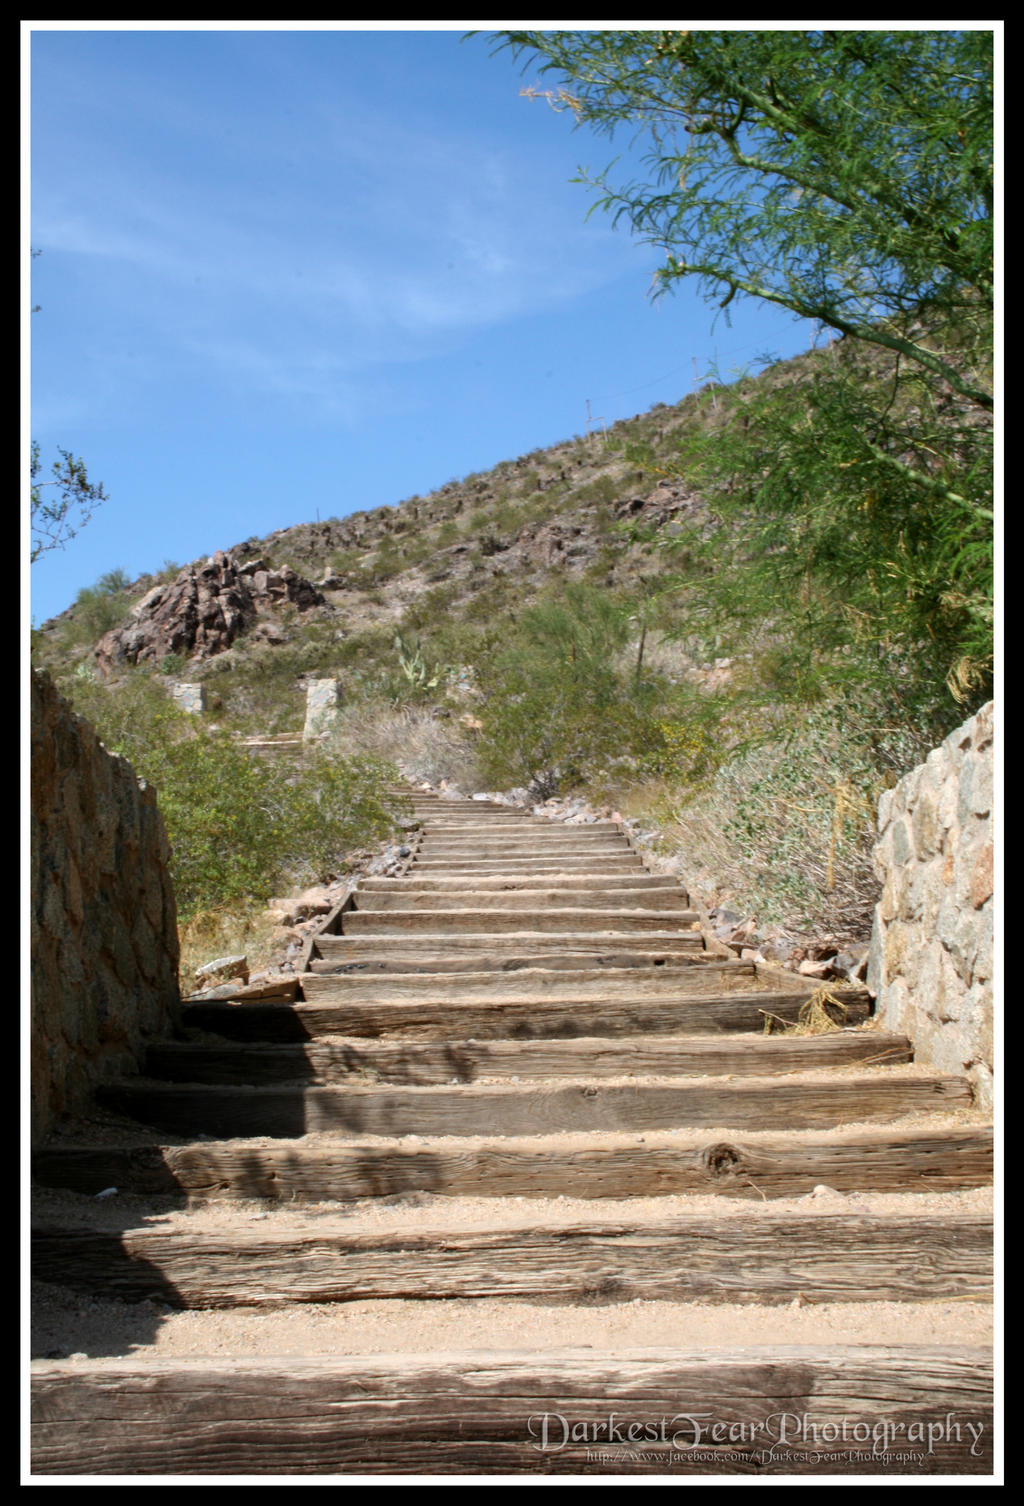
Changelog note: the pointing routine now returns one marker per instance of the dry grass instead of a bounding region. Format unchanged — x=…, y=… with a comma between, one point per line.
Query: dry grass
x=814, y=1017
x=426, y=746
x=785, y=829
x=224, y=933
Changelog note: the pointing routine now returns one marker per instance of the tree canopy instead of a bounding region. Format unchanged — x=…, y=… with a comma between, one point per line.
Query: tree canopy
x=848, y=177
x=60, y=515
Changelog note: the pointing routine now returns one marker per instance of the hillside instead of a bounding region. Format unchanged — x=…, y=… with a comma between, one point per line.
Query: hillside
x=478, y=548
x=606, y=618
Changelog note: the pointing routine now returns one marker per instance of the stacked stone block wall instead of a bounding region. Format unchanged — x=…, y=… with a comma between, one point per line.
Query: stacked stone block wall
x=104, y=940
x=931, y=960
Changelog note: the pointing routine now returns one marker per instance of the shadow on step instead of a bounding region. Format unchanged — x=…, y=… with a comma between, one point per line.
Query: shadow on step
x=91, y=1296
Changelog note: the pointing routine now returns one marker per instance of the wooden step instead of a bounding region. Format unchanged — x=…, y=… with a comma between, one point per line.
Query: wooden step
x=755, y=1166
x=673, y=982
x=794, y=1101
x=503, y=1018
x=523, y=844
x=358, y=1060
x=493, y=883
x=761, y=1256
x=464, y=950
x=411, y=896
x=500, y=866
x=499, y=1412
x=556, y=918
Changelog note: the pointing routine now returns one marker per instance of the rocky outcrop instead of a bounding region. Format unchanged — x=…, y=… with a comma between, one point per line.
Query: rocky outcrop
x=104, y=939
x=202, y=611
x=932, y=944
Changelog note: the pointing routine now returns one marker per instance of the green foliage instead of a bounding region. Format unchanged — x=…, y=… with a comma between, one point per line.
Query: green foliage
x=238, y=824
x=64, y=511
x=100, y=607
x=846, y=176
x=684, y=753
x=852, y=541
x=789, y=822
x=558, y=709
x=414, y=666
x=114, y=581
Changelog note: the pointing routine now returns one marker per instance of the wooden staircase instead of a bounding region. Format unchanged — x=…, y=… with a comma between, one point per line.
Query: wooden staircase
x=522, y=1030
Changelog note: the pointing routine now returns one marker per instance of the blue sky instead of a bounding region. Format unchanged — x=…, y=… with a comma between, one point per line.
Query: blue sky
x=289, y=273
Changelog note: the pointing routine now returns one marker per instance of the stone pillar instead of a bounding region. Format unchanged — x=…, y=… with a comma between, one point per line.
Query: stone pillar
x=323, y=698
x=191, y=698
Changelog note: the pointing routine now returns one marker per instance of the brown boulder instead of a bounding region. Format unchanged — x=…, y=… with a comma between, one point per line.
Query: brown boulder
x=202, y=611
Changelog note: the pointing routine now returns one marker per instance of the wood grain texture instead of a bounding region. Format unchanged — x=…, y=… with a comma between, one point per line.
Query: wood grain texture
x=529, y=1018
x=767, y=1258
x=594, y=1166
x=477, y=898
x=495, y=882
x=564, y=917
x=340, y=1060
x=484, y=1411
x=795, y=1101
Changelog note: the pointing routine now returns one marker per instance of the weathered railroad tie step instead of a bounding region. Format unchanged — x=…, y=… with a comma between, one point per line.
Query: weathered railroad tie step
x=671, y=938
x=761, y=1256
x=505, y=1018
x=523, y=844
x=673, y=982
x=495, y=883
x=409, y=895
x=498, y=1412
x=555, y=918
x=499, y=866
x=461, y=950
x=797, y=1101
x=520, y=845
x=596, y=1165
x=444, y=1061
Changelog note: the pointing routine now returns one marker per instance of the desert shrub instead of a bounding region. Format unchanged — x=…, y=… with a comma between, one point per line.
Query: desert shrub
x=100, y=607
x=558, y=710
x=238, y=824
x=428, y=743
x=788, y=822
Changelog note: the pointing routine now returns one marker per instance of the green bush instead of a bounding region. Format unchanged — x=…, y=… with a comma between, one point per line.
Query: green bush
x=239, y=825
x=100, y=607
x=560, y=708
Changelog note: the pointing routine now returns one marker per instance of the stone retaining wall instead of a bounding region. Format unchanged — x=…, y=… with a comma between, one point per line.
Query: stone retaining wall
x=932, y=943
x=104, y=939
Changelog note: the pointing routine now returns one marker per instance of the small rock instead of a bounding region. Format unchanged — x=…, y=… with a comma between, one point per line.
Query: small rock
x=811, y=969
x=852, y=963
x=223, y=967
